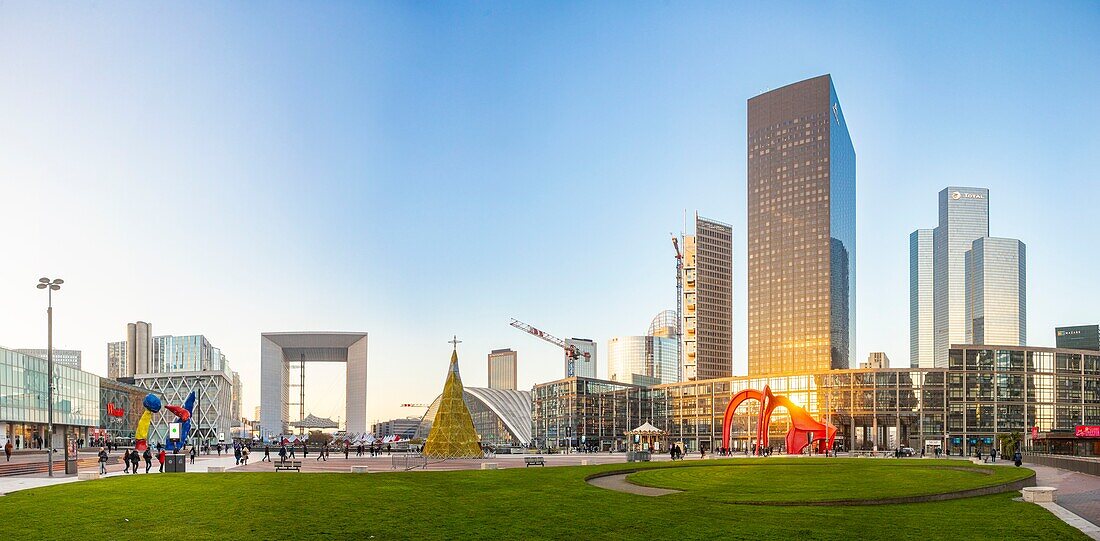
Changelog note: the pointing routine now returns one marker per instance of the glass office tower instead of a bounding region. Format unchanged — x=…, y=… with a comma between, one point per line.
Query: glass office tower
x=964, y=218
x=921, y=314
x=996, y=292
x=801, y=230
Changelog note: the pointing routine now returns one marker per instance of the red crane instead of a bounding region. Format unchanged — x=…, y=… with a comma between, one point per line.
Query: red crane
x=571, y=352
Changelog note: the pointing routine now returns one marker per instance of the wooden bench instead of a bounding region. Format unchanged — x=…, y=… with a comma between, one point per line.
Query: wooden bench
x=288, y=465
x=534, y=460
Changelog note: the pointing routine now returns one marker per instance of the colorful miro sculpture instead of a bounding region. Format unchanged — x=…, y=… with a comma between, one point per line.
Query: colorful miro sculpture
x=805, y=431
x=153, y=405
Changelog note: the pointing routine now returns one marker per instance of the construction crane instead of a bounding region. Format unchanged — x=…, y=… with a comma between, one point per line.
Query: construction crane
x=679, y=305
x=571, y=351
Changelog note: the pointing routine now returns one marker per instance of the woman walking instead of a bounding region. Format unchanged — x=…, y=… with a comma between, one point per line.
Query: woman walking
x=126, y=461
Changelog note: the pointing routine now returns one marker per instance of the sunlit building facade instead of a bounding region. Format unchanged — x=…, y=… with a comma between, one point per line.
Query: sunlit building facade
x=502, y=369
x=708, y=301
x=801, y=231
x=984, y=392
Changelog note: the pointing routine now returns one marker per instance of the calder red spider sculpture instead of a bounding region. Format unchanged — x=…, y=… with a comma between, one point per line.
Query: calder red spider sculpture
x=804, y=429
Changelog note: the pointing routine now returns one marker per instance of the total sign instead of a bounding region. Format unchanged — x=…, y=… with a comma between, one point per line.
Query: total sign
x=956, y=195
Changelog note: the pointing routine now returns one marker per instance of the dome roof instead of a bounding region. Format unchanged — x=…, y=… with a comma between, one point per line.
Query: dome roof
x=664, y=324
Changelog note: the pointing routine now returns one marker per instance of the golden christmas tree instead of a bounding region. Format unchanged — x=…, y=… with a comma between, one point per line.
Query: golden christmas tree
x=452, y=434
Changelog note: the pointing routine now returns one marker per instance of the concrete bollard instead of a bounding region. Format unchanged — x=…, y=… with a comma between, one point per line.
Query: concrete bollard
x=358, y=469
x=1039, y=494
x=87, y=475
x=215, y=469
x=488, y=465
x=584, y=462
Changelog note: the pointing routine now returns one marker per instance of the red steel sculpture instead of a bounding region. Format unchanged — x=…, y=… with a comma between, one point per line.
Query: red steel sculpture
x=804, y=430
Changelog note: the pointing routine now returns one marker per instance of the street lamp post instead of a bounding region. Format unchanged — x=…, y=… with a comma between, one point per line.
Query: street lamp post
x=50, y=286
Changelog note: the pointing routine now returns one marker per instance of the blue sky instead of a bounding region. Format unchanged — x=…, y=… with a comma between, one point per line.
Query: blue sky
x=417, y=170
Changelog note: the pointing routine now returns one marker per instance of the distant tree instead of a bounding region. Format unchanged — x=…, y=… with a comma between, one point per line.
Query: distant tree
x=318, y=437
x=1010, y=442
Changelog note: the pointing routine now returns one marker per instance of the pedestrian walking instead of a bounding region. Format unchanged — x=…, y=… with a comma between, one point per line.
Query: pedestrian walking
x=135, y=459
x=347, y=449
x=267, y=454
x=102, y=461
x=7, y=450
x=161, y=457
x=282, y=453
x=244, y=456
x=291, y=452
x=126, y=461
x=1018, y=458
x=237, y=454
x=194, y=452
x=148, y=456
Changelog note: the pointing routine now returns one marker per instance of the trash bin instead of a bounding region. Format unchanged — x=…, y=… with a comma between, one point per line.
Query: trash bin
x=175, y=464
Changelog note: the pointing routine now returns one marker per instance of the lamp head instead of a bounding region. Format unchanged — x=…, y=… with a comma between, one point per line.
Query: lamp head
x=42, y=286
x=54, y=287
x=58, y=281
x=44, y=280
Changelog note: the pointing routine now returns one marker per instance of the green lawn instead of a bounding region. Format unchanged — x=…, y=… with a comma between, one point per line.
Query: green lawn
x=840, y=480
x=531, y=503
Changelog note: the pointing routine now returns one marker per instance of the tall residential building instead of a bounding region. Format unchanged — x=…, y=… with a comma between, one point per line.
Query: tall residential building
x=67, y=357
x=964, y=218
x=118, y=366
x=876, y=360
x=921, y=315
x=708, y=301
x=585, y=368
x=502, y=369
x=1078, y=337
x=996, y=292
x=801, y=230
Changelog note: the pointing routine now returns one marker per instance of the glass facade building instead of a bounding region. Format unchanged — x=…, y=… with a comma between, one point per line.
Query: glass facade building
x=984, y=392
x=708, y=301
x=642, y=359
x=996, y=292
x=921, y=315
x=1078, y=337
x=501, y=417
x=963, y=218
x=585, y=368
x=23, y=400
x=584, y=412
x=801, y=230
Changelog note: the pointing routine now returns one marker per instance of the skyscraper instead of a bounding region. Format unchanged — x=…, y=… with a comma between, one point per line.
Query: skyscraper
x=139, y=348
x=1078, y=337
x=708, y=301
x=964, y=218
x=502, y=369
x=996, y=294
x=585, y=368
x=921, y=314
x=801, y=230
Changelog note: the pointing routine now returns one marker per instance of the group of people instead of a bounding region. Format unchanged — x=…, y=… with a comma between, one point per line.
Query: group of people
x=132, y=459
